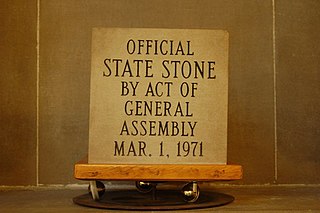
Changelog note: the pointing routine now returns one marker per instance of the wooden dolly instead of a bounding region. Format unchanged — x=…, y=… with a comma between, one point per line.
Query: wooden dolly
x=148, y=175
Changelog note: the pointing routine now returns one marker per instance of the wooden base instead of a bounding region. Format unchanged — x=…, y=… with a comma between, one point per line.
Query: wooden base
x=151, y=172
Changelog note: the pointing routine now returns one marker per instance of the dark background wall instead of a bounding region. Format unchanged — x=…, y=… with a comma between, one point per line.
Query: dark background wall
x=18, y=92
x=274, y=90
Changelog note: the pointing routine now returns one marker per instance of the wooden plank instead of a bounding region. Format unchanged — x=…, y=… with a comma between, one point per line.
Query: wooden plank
x=149, y=172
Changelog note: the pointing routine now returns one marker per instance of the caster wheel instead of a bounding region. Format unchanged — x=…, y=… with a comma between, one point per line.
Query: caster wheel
x=96, y=189
x=191, y=192
x=144, y=187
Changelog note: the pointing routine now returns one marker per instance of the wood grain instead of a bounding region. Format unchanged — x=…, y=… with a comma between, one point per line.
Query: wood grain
x=84, y=171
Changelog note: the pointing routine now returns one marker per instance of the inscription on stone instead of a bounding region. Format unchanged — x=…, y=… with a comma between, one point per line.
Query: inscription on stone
x=158, y=96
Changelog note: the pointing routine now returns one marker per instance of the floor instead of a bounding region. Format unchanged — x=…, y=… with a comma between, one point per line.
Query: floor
x=247, y=198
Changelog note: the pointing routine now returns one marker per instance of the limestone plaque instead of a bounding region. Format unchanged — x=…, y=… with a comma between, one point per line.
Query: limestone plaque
x=158, y=96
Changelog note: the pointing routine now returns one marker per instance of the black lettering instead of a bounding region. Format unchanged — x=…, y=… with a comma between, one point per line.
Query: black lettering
x=138, y=62
x=159, y=94
x=109, y=69
x=133, y=46
x=171, y=47
x=178, y=110
x=149, y=42
x=187, y=110
x=124, y=88
x=127, y=69
x=136, y=131
x=192, y=127
x=158, y=108
x=167, y=107
x=152, y=128
x=131, y=149
x=175, y=67
x=143, y=123
x=211, y=69
x=163, y=129
x=189, y=48
x=124, y=129
x=148, y=68
x=140, y=44
x=175, y=128
x=156, y=47
x=186, y=69
x=179, y=49
x=117, y=66
x=142, y=147
x=200, y=70
x=128, y=110
x=182, y=129
x=168, y=84
x=149, y=90
x=138, y=108
x=166, y=68
x=147, y=107
x=161, y=47
x=118, y=151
